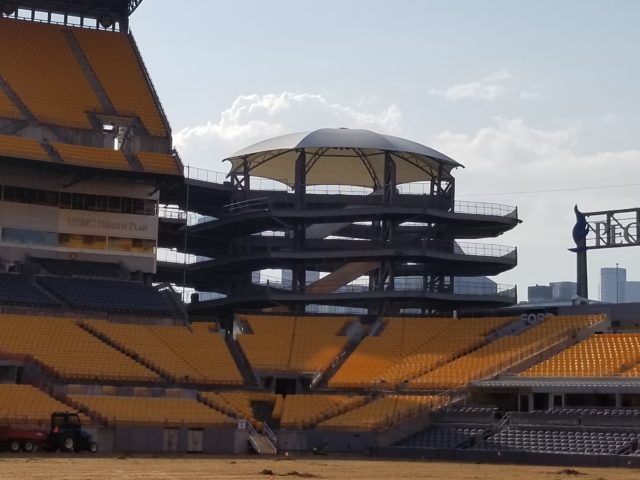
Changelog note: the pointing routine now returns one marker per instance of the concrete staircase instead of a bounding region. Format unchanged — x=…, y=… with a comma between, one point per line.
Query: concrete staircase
x=262, y=443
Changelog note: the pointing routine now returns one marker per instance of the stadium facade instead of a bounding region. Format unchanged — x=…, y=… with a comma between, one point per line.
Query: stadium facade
x=91, y=191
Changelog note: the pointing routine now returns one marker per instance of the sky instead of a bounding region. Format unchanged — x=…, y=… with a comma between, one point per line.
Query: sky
x=537, y=99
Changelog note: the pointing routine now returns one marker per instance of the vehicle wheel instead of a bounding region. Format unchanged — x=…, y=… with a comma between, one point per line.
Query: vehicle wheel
x=27, y=446
x=93, y=447
x=14, y=446
x=68, y=443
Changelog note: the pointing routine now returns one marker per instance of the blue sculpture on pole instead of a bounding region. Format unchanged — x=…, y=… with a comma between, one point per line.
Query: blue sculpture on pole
x=580, y=231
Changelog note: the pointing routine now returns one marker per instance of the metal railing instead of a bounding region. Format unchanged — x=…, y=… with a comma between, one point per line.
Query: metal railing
x=270, y=434
x=192, y=218
x=484, y=250
x=251, y=205
x=413, y=188
x=484, y=208
x=409, y=287
x=204, y=175
x=459, y=249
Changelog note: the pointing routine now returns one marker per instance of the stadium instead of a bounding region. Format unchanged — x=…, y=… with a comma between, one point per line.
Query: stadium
x=329, y=294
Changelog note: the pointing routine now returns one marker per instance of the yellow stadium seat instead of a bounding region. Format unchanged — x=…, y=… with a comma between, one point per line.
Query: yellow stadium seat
x=24, y=404
x=113, y=58
x=41, y=69
x=158, y=163
x=156, y=411
x=92, y=156
x=19, y=147
x=67, y=351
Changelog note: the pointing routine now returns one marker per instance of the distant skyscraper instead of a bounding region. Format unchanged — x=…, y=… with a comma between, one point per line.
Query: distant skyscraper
x=613, y=281
x=563, y=291
x=539, y=294
x=632, y=292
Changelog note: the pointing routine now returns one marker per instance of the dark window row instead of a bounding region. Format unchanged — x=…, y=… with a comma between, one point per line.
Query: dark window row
x=75, y=240
x=79, y=201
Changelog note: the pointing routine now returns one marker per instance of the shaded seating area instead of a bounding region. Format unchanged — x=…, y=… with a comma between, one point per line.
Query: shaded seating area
x=16, y=290
x=587, y=442
x=443, y=437
x=113, y=296
x=80, y=268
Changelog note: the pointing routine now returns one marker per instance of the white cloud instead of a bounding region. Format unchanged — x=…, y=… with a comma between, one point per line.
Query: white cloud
x=611, y=117
x=533, y=94
x=540, y=171
x=488, y=88
x=491, y=87
x=254, y=117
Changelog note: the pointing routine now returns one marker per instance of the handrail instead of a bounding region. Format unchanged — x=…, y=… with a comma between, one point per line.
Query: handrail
x=271, y=436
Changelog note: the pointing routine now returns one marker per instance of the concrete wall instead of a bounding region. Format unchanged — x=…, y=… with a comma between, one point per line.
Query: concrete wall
x=141, y=439
x=490, y=456
x=356, y=442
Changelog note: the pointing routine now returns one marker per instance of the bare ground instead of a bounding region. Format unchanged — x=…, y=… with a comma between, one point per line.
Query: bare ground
x=84, y=467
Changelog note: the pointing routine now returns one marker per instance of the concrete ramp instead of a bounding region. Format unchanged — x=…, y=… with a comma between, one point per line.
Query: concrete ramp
x=341, y=277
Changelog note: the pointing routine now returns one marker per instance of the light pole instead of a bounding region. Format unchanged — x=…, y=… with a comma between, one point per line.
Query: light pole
x=617, y=285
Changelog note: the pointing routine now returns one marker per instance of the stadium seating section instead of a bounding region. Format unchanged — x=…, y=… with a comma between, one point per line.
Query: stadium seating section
x=558, y=441
x=442, y=437
x=158, y=163
x=7, y=107
x=16, y=290
x=112, y=296
x=597, y=356
x=293, y=344
x=18, y=147
x=130, y=93
x=24, y=404
x=67, y=351
x=92, y=157
x=503, y=353
x=306, y=411
x=162, y=412
x=183, y=355
x=123, y=374
x=382, y=413
x=74, y=268
x=409, y=347
x=240, y=404
x=41, y=67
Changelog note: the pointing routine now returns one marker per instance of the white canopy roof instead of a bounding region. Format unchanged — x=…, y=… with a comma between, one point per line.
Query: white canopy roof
x=341, y=156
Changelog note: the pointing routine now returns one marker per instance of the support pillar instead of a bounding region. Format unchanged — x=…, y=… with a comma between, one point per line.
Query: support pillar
x=299, y=273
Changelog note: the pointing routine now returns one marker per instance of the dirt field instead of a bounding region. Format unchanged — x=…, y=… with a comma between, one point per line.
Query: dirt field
x=146, y=468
